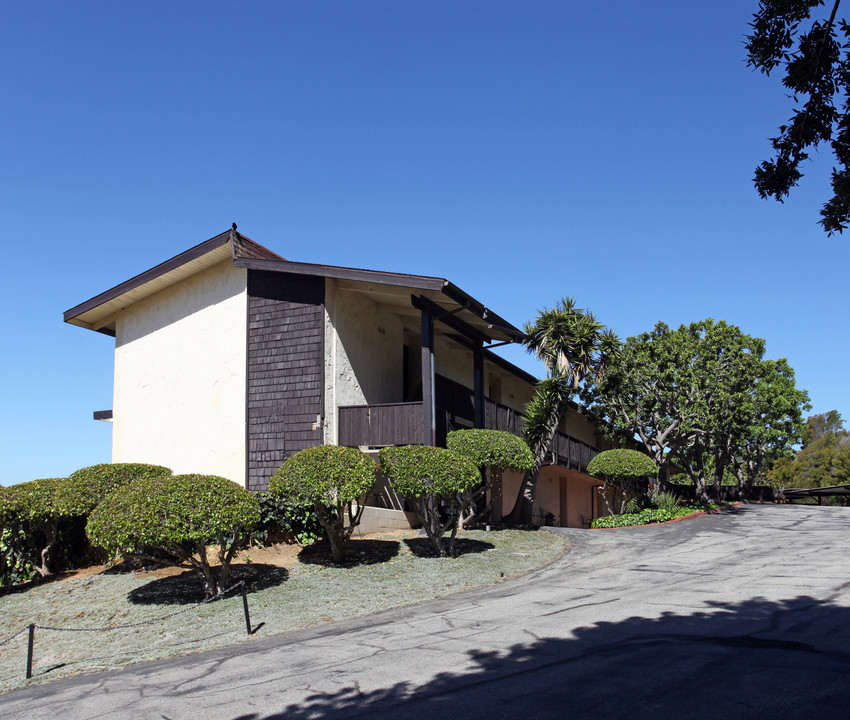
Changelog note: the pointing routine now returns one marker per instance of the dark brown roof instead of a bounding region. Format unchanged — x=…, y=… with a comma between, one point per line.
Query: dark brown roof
x=246, y=248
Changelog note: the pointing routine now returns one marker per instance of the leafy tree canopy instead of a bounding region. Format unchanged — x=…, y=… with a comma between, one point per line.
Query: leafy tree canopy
x=701, y=396
x=620, y=471
x=418, y=470
x=325, y=475
x=809, y=41
x=10, y=507
x=38, y=499
x=824, y=459
x=496, y=450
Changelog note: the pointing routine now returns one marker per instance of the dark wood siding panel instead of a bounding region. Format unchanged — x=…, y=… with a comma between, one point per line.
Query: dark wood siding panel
x=285, y=369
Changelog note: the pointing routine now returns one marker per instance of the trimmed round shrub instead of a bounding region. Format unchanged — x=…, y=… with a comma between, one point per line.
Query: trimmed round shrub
x=492, y=448
x=417, y=471
x=333, y=479
x=496, y=450
x=40, y=515
x=621, y=469
x=87, y=487
x=178, y=516
x=433, y=480
x=622, y=463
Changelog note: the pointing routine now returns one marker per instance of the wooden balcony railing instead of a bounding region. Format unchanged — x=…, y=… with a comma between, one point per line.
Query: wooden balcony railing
x=380, y=425
x=401, y=424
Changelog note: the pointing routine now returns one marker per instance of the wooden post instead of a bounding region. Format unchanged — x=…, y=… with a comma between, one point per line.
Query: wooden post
x=478, y=372
x=429, y=402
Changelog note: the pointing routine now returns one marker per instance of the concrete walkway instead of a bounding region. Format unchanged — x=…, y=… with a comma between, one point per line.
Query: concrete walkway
x=737, y=615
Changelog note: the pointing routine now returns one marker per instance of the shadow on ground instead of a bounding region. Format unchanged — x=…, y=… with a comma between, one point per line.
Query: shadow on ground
x=357, y=552
x=422, y=546
x=756, y=659
x=186, y=588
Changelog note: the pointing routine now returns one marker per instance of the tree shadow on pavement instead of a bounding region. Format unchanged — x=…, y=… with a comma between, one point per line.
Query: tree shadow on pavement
x=186, y=588
x=756, y=659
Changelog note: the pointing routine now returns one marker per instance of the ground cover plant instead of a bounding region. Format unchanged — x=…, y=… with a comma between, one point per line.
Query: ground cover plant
x=649, y=516
x=335, y=480
x=176, y=520
x=298, y=595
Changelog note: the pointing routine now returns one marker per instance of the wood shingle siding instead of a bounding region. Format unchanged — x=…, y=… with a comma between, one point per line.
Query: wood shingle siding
x=285, y=369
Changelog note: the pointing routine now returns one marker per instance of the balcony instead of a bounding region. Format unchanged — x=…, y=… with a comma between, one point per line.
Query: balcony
x=386, y=424
x=381, y=425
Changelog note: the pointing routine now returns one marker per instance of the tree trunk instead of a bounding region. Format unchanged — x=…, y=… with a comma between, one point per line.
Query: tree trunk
x=51, y=532
x=431, y=522
x=334, y=530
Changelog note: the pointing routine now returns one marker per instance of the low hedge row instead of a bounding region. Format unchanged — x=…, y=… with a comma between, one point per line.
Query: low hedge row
x=647, y=517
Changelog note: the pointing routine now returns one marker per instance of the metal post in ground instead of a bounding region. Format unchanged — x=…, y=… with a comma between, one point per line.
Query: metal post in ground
x=245, y=606
x=29, y=649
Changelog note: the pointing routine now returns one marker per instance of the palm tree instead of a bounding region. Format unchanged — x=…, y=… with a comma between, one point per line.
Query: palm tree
x=575, y=348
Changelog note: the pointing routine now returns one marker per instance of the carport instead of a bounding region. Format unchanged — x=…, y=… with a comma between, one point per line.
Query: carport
x=821, y=492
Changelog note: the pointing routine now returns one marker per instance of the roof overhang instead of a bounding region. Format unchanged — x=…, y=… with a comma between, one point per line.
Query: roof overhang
x=831, y=491
x=99, y=312
x=397, y=292
x=393, y=291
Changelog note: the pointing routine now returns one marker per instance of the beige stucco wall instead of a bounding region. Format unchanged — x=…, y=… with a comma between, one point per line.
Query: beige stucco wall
x=180, y=374
x=570, y=496
x=363, y=353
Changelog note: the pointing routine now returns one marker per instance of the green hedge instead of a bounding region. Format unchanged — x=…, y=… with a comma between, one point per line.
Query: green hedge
x=39, y=517
x=418, y=470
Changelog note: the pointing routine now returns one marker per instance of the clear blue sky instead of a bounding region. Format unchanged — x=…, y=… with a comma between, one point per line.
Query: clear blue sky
x=525, y=150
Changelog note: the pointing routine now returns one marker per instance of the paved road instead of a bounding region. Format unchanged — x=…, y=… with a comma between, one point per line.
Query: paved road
x=740, y=615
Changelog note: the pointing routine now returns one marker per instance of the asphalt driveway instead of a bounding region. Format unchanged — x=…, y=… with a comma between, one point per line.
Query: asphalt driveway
x=736, y=615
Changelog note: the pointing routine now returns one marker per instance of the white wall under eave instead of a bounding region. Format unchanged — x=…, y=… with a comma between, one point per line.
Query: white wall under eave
x=180, y=375
x=363, y=353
